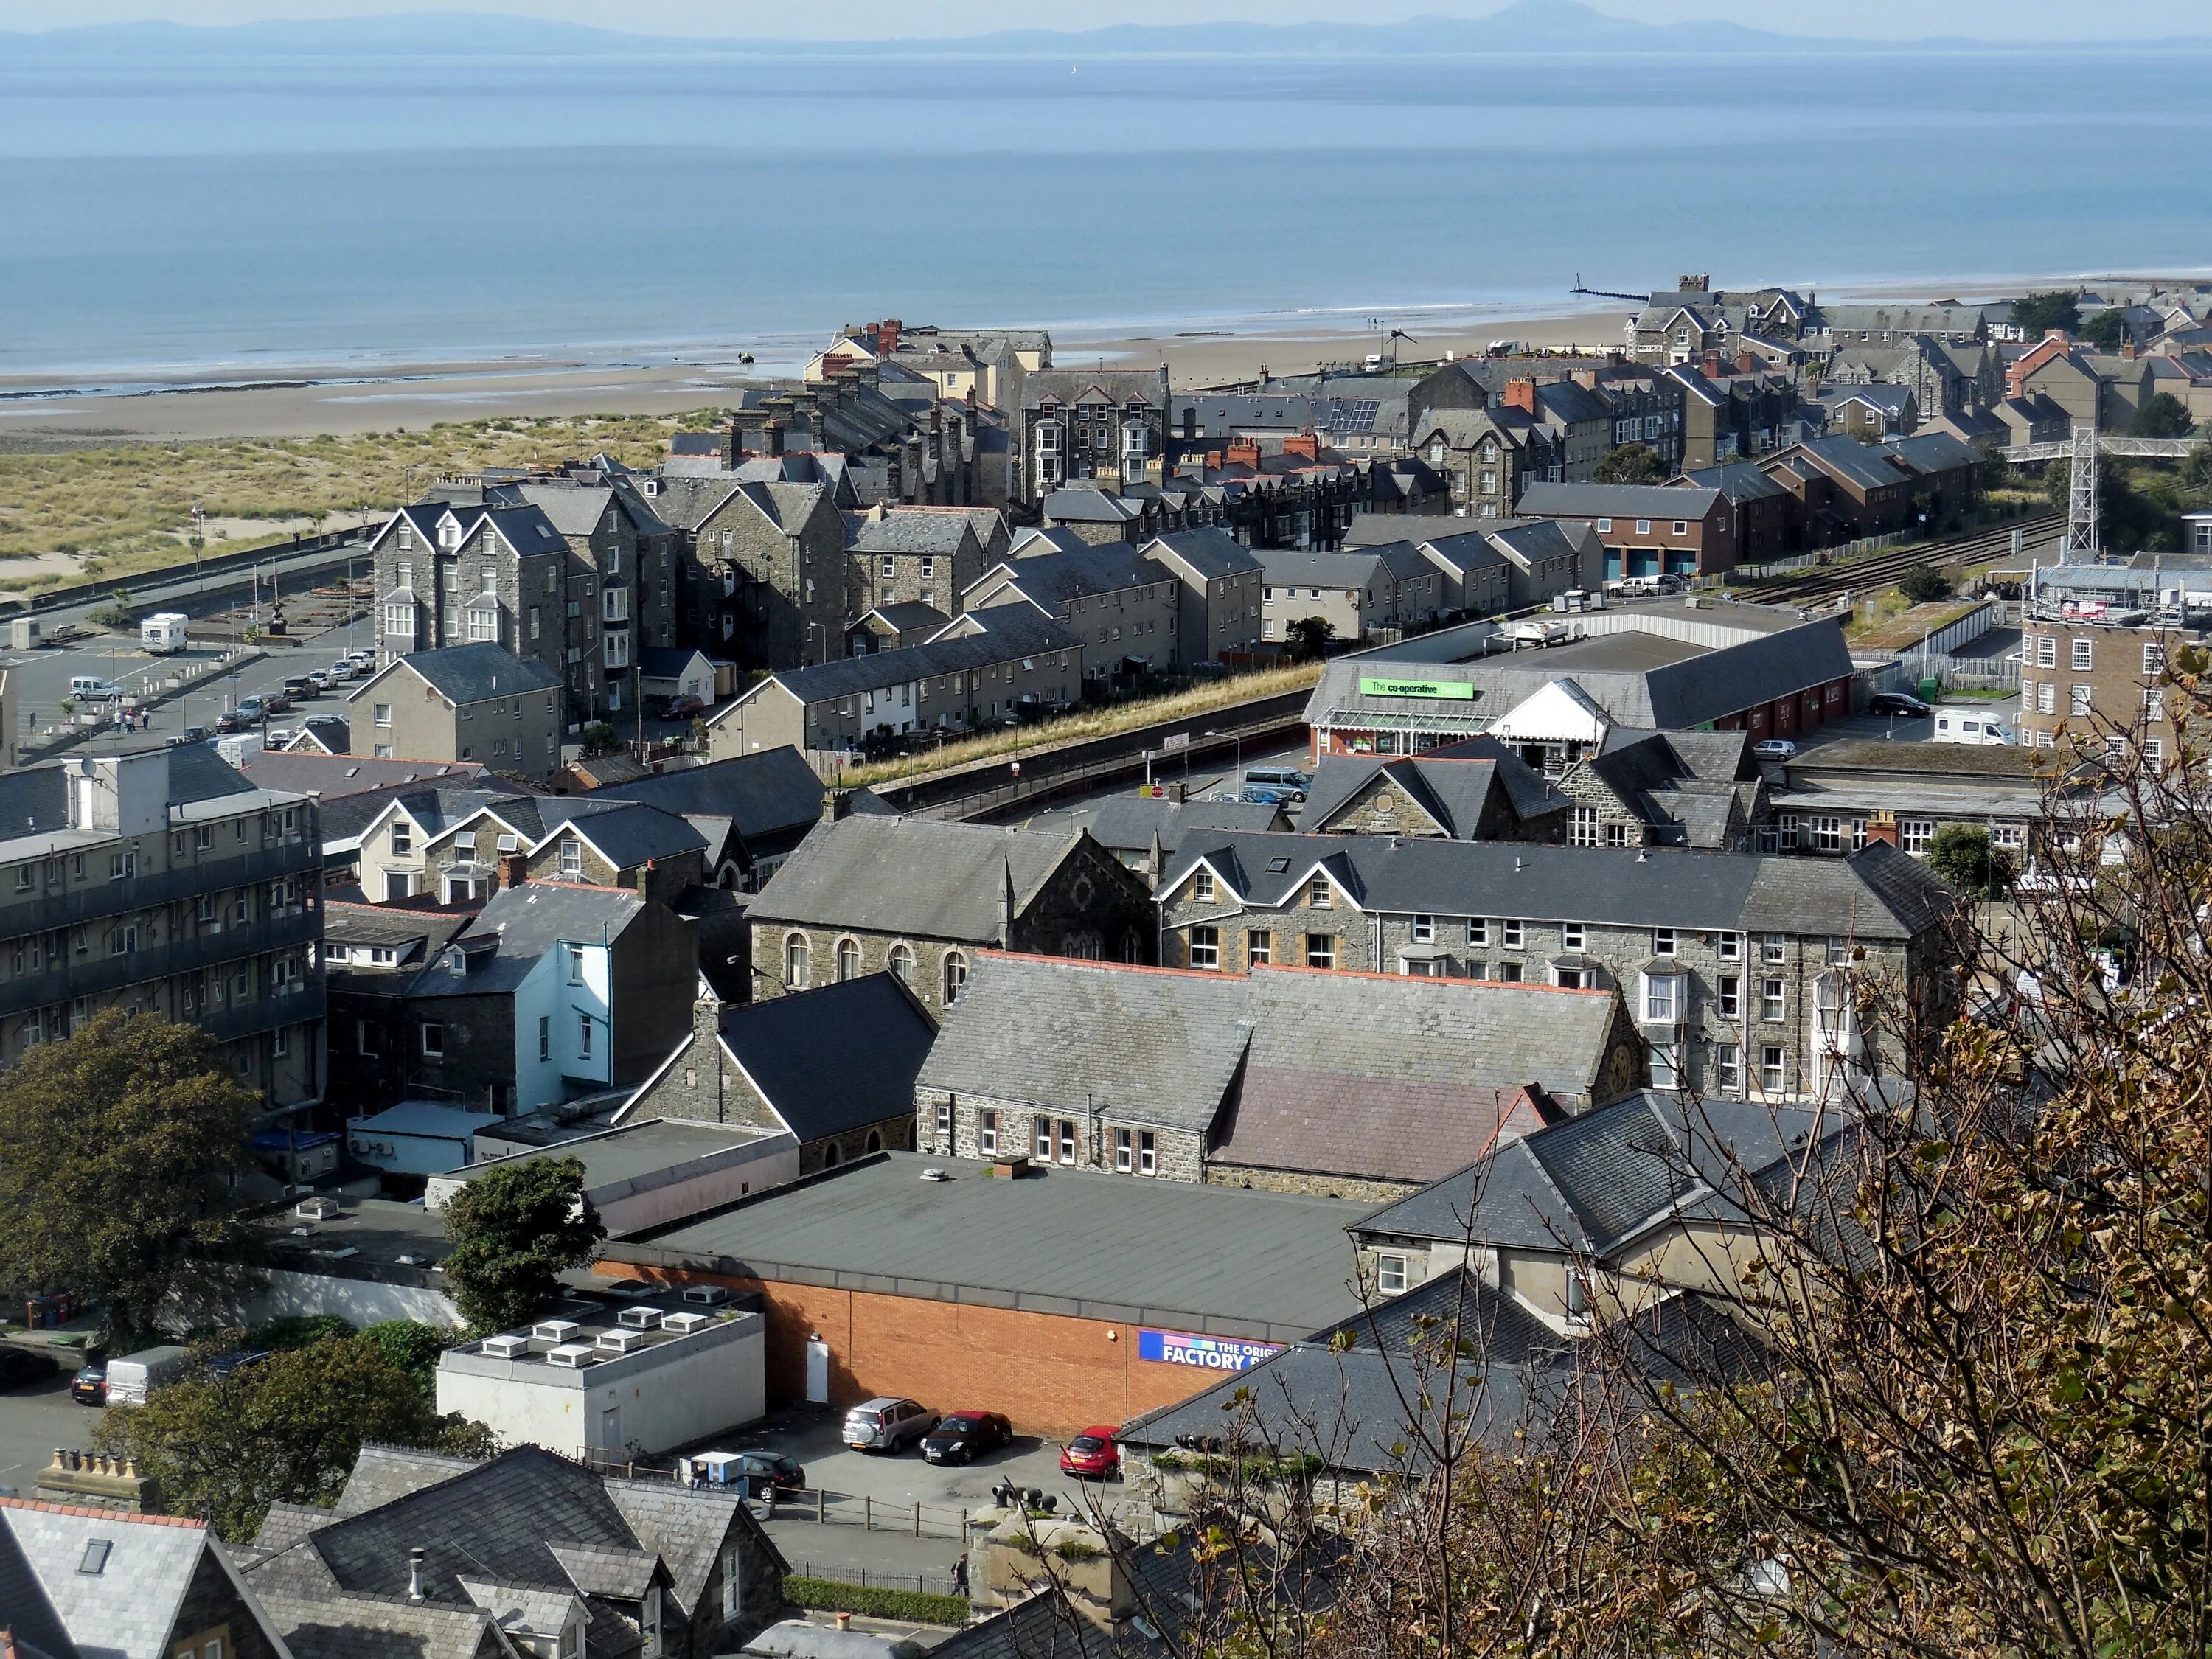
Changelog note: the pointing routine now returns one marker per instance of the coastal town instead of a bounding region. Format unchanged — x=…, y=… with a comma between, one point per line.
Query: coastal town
x=1010, y=1005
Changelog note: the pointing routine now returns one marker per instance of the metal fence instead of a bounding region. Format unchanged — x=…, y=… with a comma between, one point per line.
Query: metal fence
x=837, y=1572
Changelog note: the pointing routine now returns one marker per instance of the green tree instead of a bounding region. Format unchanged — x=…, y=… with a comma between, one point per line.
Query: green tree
x=286, y=1430
x=599, y=737
x=1630, y=464
x=410, y=1344
x=1924, y=584
x=2161, y=417
x=1997, y=471
x=1309, y=637
x=2057, y=308
x=2197, y=470
x=1964, y=855
x=516, y=1229
x=116, y=1148
x=2107, y=330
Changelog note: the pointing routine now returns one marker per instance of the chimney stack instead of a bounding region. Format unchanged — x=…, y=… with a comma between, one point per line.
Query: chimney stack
x=514, y=869
x=887, y=335
x=730, y=447
x=1712, y=365
x=1745, y=363
x=2128, y=349
x=1883, y=827
x=1521, y=394
x=414, y=1574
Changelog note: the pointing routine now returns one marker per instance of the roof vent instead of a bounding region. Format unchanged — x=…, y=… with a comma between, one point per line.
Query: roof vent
x=619, y=1342
x=934, y=1174
x=505, y=1347
x=683, y=1323
x=572, y=1356
x=639, y=1319
x=706, y=1295
x=555, y=1330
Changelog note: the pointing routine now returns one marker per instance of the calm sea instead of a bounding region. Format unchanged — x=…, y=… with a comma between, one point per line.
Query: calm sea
x=313, y=212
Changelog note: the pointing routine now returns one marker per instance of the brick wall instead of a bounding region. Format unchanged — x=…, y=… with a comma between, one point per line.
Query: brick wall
x=1052, y=1373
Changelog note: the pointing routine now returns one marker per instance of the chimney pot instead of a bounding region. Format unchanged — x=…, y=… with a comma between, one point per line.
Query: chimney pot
x=414, y=1574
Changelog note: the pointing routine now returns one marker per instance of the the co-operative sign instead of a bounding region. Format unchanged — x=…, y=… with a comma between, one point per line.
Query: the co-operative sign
x=1207, y=1353
x=1458, y=690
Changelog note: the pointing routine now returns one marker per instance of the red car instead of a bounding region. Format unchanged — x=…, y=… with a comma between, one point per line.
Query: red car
x=1093, y=1454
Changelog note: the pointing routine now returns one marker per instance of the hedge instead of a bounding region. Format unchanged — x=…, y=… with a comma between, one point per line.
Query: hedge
x=874, y=1602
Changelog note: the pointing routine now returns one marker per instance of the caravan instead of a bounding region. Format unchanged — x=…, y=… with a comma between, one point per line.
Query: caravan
x=1972, y=725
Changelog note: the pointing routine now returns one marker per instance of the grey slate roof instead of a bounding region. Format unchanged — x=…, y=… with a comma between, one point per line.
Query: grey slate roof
x=527, y=922
x=913, y=876
x=127, y=1609
x=342, y=1626
x=771, y=792
x=940, y=533
x=1879, y=893
x=834, y=1058
x=1211, y=552
x=1740, y=481
x=1052, y=580
x=1129, y=823
x=332, y=779
x=1035, y=542
x=997, y=634
x=1451, y=789
x=1289, y=568
x=472, y=673
x=1350, y=1074
x=1269, y=1266
x=633, y=833
x=1616, y=501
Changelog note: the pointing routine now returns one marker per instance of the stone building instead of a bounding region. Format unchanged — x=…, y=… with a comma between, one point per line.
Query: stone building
x=1279, y=1078
x=1730, y=961
x=1110, y=424
x=1479, y=790
x=1639, y=788
x=581, y=840
x=465, y=702
x=164, y=883
x=793, y=1063
x=1121, y=605
x=923, y=555
x=764, y=568
x=1220, y=581
x=918, y=899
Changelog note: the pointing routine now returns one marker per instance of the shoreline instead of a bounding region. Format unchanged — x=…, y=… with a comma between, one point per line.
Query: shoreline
x=184, y=405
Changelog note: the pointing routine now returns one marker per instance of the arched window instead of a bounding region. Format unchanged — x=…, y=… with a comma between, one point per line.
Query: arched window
x=830, y=1159
x=903, y=964
x=798, y=961
x=875, y=1141
x=849, y=958
x=956, y=976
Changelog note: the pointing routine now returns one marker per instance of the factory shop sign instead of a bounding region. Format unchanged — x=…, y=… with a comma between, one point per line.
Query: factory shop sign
x=1205, y=1353
x=1454, y=690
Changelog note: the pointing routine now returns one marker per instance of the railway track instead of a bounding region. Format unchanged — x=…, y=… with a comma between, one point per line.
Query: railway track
x=1882, y=569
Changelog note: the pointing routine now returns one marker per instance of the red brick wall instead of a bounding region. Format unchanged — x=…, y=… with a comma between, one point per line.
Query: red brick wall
x=1051, y=1374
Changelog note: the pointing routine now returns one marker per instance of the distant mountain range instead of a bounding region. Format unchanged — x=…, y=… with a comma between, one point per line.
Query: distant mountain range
x=1564, y=27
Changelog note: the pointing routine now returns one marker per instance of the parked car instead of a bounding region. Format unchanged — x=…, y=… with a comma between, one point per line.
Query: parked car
x=784, y=1474
x=300, y=687
x=323, y=678
x=251, y=709
x=191, y=734
x=1276, y=783
x=89, y=1386
x=683, y=708
x=886, y=1424
x=1903, y=704
x=20, y=1367
x=232, y=721
x=224, y=1366
x=277, y=702
x=1774, y=748
x=1093, y=1455
x=964, y=1436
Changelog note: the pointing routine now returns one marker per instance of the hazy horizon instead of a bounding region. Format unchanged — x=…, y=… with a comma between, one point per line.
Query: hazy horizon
x=1995, y=20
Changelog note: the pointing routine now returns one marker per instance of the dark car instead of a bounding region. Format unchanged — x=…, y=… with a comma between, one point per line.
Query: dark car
x=1902, y=704
x=1093, y=1454
x=963, y=1437
x=20, y=1367
x=191, y=734
x=233, y=720
x=682, y=709
x=226, y=1365
x=784, y=1474
x=274, y=702
x=89, y=1386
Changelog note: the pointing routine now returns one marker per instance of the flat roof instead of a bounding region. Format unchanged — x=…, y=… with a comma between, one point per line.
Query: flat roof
x=611, y=1156
x=1226, y=1260
x=372, y=1233
x=1620, y=654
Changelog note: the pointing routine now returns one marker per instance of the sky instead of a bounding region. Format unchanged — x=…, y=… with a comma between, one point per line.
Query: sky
x=2013, y=20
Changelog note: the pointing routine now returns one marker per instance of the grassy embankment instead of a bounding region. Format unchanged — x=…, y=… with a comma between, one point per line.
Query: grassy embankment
x=120, y=509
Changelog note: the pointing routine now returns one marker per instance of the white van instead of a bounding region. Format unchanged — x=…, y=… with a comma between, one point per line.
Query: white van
x=1972, y=725
x=90, y=688
x=163, y=633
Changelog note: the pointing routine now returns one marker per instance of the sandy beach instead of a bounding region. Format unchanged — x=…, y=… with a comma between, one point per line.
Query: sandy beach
x=345, y=400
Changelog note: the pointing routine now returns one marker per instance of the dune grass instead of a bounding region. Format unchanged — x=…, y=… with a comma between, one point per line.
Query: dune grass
x=128, y=507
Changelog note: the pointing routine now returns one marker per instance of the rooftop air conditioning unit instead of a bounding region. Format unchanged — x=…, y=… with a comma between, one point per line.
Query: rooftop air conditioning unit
x=706, y=1295
x=318, y=1209
x=641, y=1319
x=630, y=1289
x=620, y=1341
x=505, y=1347
x=555, y=1330
x=571, y=1356
x=683, y=1323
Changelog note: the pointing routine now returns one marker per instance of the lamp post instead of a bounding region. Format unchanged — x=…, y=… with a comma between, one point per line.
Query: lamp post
x=1239, y=737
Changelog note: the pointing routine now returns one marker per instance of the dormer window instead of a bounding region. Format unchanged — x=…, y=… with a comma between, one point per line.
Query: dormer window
x=449, y=534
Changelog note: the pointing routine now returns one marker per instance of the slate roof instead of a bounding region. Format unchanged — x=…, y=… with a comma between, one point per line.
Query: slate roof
x=1879, y=893
x=527, y=922
x=1843, y=457
x=127, y=1608
x=1452, y=790
x=1591, y=1185
x=1616, y=501
x=472, y=673
x=1237, y=1262
x=771, y=792
x=1740, y=481
x=1274, y=1066
x=806, y=1052
x=1289, y=568
x=1035, y=542
x=1129, y=823
x=941, y=534
x=1213, y=552
x=996, y=634
x=1933, y=452
x=335, y=1626
x=332, y=779
x=909, y=616
x=633, y=833
x=913, y=876
x=1052, y=580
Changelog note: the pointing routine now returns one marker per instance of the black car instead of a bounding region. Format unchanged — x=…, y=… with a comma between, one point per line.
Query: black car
x=784, y=1474
x=963, y=1437
x=1902, y=704
x=89, y=1386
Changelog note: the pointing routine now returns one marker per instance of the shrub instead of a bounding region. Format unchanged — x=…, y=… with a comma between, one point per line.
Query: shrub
x=874, y=1602
x=1922, y=584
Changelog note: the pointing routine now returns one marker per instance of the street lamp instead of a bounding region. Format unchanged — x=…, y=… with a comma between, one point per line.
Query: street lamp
x=1239, y=736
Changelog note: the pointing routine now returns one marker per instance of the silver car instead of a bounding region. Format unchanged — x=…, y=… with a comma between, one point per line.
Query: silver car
x=886, y=1424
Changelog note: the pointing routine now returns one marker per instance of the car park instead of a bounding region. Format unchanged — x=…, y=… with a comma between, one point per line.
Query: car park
x=89, y=1386
x=1774, y=748
x=1093, y=1455
x=964, y=1436
x=1902, y=704
x=887, y=1425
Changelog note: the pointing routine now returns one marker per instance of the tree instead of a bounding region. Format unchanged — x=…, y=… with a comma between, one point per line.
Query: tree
x=516, y=1229
x=286, y=1430
x=1924, y=584
x=1309, y=637
x=2161, y=415
x=117, y=1145
x=600, y=738
x=1964, y=855
x=2038, y=314
x=1630, y=464
x=2107, y=330
x=410, y=1344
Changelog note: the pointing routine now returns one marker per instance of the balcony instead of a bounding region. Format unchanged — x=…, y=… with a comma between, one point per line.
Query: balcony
x=96, y=973
x=95, y=901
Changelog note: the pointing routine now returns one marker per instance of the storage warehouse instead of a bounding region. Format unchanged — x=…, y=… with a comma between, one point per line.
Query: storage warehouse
x=1063, y=1298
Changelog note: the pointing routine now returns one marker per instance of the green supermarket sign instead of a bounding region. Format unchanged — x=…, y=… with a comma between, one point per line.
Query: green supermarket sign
x=1457, y=690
